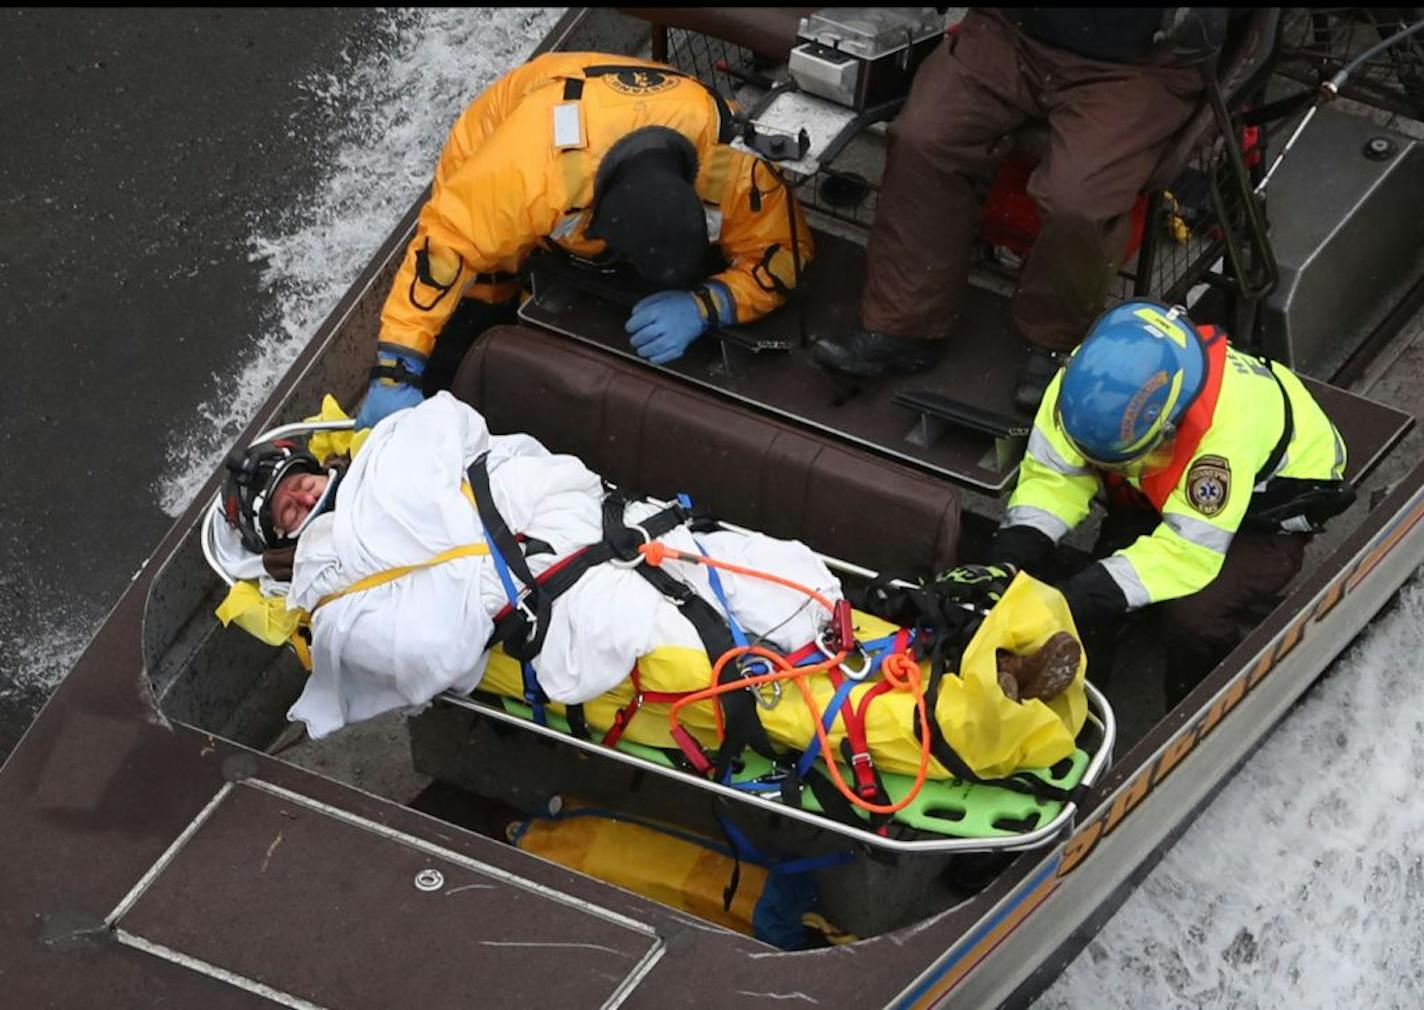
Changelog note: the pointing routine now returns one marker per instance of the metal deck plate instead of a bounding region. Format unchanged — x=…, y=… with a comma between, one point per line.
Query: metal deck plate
x=977, y=370
x=314, y=907
x=978, y=367
x=1370, y=429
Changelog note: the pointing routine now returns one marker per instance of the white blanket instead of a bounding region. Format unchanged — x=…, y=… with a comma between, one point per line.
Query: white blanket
x=398, y=645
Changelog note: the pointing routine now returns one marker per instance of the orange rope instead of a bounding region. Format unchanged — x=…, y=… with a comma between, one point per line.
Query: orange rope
x=900, y=670
x=657, y=552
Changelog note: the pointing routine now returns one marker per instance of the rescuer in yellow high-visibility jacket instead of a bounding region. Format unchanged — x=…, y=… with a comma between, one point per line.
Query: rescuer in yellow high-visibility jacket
x=1221, y=461
x=605, y=158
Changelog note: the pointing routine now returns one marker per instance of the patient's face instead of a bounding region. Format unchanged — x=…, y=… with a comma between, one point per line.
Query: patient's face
x=295, y=497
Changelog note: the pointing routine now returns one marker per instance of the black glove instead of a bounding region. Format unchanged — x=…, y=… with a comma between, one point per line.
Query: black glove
x=1093, y=596
x=981, y=586
x=1023, y=547
x=952, y=602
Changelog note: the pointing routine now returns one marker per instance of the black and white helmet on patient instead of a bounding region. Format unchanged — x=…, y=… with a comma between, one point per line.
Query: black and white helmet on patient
x=252, y=476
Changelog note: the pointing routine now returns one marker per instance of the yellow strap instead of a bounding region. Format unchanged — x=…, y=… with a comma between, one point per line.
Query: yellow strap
x=391, y=574
x=302, y=649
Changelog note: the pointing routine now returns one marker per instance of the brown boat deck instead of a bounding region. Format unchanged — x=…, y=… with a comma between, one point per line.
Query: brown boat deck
x=977, y=370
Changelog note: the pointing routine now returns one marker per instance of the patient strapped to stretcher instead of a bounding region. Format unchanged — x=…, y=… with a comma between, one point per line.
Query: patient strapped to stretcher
x=446, y=558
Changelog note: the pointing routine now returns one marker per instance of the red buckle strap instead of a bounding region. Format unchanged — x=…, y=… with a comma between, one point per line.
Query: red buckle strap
x=692, y=750
x=862, y=766
x=861, y=763
x=626, y=713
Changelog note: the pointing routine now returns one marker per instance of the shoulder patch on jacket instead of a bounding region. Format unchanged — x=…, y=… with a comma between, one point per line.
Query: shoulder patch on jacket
x=1209, y=484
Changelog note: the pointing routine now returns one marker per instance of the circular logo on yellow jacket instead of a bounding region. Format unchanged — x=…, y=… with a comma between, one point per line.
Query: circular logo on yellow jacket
x=1209, y=484
x=641, y=81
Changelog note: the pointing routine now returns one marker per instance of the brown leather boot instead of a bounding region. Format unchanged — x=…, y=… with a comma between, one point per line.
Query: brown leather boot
x=1043, y=674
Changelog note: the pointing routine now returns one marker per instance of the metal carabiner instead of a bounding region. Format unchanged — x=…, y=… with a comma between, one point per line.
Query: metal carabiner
x=767, y=699
x=522, y=605
x=759, y=693
x=866, y=667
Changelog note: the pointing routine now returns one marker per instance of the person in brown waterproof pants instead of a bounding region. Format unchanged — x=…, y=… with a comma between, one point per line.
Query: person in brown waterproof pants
x=1114, y=85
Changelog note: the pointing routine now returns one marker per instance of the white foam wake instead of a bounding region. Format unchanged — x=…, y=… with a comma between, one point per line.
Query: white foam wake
x=1302, y=885
x=391, y=112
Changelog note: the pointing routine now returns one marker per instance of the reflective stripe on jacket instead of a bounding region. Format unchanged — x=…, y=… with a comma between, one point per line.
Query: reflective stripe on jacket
x=1203, y=508
x=518, y=170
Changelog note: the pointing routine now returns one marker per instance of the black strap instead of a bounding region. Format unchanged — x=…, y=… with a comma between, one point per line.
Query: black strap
x=1287, y=429
x=424, y=276
x=512, y=630
x=578, y=722
x=520, y=641
x=495, y=277
x=573, y=89
x=1019, y=782
x=743, y=727
x=832, y=802
x=560, y=580
x=399, y=372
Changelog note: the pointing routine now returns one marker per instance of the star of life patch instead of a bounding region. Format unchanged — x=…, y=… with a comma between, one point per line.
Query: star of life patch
x=1209, y=484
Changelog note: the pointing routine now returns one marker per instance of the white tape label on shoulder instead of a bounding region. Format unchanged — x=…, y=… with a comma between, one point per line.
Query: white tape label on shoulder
x=568, y=128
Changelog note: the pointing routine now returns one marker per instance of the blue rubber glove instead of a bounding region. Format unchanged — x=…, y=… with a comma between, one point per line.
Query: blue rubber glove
x=387, y=395
x=662, y=325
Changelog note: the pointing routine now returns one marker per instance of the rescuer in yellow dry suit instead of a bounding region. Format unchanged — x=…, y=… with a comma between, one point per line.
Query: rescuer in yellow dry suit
x=1217, y=466
x=604, y=158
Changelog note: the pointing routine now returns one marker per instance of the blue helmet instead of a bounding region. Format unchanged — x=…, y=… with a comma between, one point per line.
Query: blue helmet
x=1128, y=385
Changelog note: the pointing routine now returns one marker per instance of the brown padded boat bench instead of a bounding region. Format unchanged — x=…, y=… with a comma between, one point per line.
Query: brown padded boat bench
x=769, y=32
x=652, y=435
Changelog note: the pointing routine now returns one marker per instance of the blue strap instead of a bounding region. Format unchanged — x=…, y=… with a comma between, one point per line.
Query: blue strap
x=822, y=862
x=534, y=695
x=756, y=786
x=502, y=567
x=745, y=848
x=877, y=649
x=738, y=635
x=748, y=852
x=828, y=719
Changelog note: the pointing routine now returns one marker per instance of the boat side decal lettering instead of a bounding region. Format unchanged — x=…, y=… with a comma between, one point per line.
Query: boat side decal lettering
x=962, y=958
